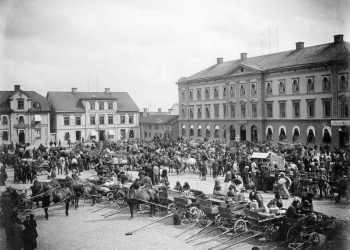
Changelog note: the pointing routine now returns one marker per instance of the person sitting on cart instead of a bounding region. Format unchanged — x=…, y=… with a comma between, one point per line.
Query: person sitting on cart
x=277, y=202
x=292, y=211
x=255, y=195
x=135, y=185
x=186, y=186
x=178, y=186
x=309, y=197
x=218, y=192
x=305, y=207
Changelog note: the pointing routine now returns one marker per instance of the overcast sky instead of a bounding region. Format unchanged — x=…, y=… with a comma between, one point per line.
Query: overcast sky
x=143, y=47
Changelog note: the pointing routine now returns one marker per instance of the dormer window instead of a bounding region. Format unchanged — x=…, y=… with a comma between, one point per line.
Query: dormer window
x=224, y=92
x=269, y=87
x=191, y=94
x=242, y=69
x=110, y=105
x=4, y=120
x=207, y=93
x=101, y=106
x=253, y=89
x=199, y=94
x=92, y=106
x=242, y=90
x=20, y=104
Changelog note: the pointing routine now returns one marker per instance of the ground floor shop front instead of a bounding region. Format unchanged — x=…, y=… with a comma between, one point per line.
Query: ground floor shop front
x=312, y=132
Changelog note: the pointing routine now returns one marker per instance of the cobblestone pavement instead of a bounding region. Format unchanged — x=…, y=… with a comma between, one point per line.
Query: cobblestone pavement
x=85, y=230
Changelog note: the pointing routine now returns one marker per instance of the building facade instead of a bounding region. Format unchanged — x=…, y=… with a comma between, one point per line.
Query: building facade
x=162, y=126
x=93, y=115
x=24, y=117
x=300, y=95
x=174, y=110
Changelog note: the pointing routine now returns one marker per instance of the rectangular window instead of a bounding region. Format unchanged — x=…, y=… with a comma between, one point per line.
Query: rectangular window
x=191, y=113
x=344, y=108
x=183, y=113
x=343, y=81
x=150, y=135
x=269, y=88
x=225, y=111
x=101, y=106
x=160, y=135
x=183, y=97
x=92, y=105
x=122, y=119
x=21, y=119
x=4, y=120
x=233, y=110
x=191, y=95
x=254, y=110
x=232, y=91
x=145, y=134
x=66, y=136
x=281, y=87
x=207, y=93
x=310, y=108
x=282, y=110
x=216, y=93
x=199, y=112
x=326, y=85
x=156, y=126
x=20, y=104
x=110, y=105
x=242, y=90
x=149, y=126
x=207, y=112
x=216, y=111
x=66, y=120
x=131, y=119
x=101, y=119
x=224, y=93
x=38, y=134
x=92, y=120
x=296, y=109
x=199, y=94
x=110, y=119
x=310, y=84
x=253, y=89
x=77, y=120
x=5, y=135
x=327, y=108
x=269, y=109
x=122, y=133
x=243, y=111
x=295, y=86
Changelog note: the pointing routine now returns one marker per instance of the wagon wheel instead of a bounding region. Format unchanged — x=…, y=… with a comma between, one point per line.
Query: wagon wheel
x=145, y=208
x=203, y=220
x=240, y=226
x=194, y=213
x=171, y=208
x=217, y=220
x=330, y=192
x=110, y=197
x=98, y=199
x=272, y=233
x=24, y=214
x=315, y=190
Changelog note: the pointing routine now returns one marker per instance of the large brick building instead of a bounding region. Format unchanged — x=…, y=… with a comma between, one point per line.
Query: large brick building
x=297, y=95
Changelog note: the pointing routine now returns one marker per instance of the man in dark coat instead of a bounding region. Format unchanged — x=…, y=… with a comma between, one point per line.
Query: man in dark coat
x=46, y=202
x=215, y=169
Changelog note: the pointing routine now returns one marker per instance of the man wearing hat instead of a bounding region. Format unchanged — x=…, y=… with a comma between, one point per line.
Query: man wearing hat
x=292, y=211
x=146, y=181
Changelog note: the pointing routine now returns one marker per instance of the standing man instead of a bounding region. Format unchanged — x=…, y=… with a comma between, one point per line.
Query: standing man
x=55, y=143
x=67, y=201
x=215, y=168
x=46, y=202
x=59, y=142
x=51, y=143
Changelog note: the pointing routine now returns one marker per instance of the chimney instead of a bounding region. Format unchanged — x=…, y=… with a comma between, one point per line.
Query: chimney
x=144, y=110
x=17, y=87
x=338, y=39
x=299, y=45
x=219, y=60
x=243, y=56
x=159, y=110
x=107, y=90
x=74, y=90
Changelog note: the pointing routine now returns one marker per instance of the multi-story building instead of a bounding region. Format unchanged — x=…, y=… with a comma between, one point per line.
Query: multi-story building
x=93, y=115
x=24, y=117
x=162, y=126
x=297, y=95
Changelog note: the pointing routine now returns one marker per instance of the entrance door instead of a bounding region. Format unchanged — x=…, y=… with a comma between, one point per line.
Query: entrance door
x=21, y=136
x=343, y=137
x=232, y=133
x=78, y=135
x=101, y=135
x=254, y=134
x=243, y=133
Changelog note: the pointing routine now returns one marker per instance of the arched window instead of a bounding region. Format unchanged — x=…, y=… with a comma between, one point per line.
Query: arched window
x=224, y=92
x=296, y=133
x=269, y=134
x=191, y=130
x=199, y=130
x=242, y=90
x=183, y=130
x=207, y=131
x=327, y=137
x=325, y=83
x=282, y=133
x=310, y=134
x=232, y=91
x=282, y=88
x=295, y=85
x=253, y=90
x=216, y=131
x=254, y=133
x=243, y=133
x=310, y=84
x=232, y=133
x=183, y=113
x=131, y=133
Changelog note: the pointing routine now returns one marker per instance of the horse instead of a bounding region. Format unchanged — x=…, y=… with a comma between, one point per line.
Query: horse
x=39, y=187
x=89, y=189
x=61, y=194
x=141, y=196
x=189, y=163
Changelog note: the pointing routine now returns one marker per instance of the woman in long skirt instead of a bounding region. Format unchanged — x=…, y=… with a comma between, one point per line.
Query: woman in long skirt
x=282, y=187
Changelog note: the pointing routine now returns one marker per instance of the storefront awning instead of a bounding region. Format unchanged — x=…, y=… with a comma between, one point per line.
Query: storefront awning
x=111, y=132
x=37, y=118
x=93, y=133
x=256, y=155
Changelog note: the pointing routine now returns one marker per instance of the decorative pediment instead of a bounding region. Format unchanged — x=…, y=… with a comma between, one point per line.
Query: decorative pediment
x=242, y=101
x=254, y=101
x=243, y=69
x=232, y=101
x=20, y=94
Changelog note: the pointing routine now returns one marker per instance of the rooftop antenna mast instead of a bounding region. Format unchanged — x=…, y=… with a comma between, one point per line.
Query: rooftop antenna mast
x=269, y=41
x=92, y=84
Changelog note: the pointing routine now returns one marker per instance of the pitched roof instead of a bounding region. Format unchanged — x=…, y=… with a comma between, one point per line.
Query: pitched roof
x=71, y=102
x=308, y=55
x=5, y=102
x=157, y=119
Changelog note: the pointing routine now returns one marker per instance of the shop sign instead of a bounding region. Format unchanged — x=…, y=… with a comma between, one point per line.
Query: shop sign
x=340, y=123
x=102, y=111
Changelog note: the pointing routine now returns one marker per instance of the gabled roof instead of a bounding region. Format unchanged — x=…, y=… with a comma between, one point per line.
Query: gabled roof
x=5, y=102
x=71, y=102
x=158, y=119
x=293, y=58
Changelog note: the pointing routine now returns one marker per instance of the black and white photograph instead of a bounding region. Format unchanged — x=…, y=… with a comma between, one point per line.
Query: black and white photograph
x=174, y=124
